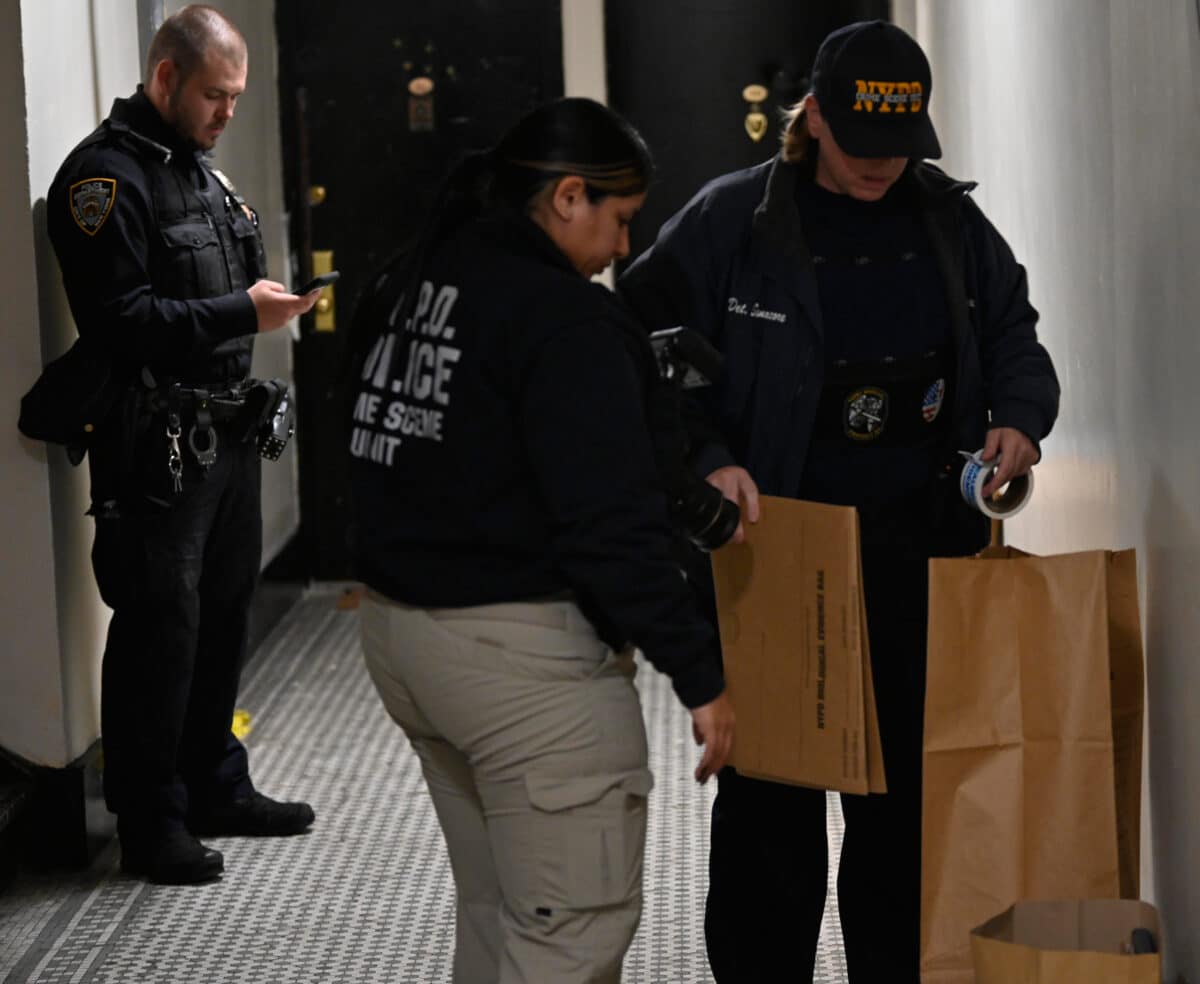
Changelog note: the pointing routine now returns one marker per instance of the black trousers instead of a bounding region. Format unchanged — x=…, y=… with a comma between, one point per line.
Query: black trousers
x=768, y=862
x=179, y=582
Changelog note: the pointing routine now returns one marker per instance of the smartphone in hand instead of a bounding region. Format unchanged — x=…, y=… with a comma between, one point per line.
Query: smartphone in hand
x=324, y=280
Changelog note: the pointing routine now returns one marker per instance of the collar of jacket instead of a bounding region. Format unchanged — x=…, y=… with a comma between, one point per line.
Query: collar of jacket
x=520, y=235
x=137, y=119
x=777, y=220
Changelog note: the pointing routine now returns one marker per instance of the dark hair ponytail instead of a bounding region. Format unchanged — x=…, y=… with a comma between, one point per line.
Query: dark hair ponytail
x=567, y=137
x=572, y=136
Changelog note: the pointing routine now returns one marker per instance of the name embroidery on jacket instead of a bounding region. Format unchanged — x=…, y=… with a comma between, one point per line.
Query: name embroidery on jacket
x=752, y=310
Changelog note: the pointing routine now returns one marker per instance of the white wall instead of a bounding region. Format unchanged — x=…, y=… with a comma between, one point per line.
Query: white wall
x=52, y=704
x=30, y=675
x=584, y=58
x=1081, y=120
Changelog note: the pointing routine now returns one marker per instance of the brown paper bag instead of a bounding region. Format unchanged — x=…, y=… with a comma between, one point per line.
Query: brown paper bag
x=797, y=659
x=1033, y=726
x=1075, y=942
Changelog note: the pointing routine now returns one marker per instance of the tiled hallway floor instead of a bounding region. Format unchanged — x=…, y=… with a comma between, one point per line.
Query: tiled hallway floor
x=365, y=897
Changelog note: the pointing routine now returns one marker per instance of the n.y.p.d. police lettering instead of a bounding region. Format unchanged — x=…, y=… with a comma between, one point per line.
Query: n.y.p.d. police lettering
x=410, y=401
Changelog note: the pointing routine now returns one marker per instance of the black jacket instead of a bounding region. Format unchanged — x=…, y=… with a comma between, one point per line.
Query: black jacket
x=500, y=450
x=155, y=253
x=733, y=264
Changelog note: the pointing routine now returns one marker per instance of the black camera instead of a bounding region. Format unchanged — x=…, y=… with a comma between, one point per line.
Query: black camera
x=685, y=360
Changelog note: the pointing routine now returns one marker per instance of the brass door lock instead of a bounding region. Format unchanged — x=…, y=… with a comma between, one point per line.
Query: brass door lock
x=323, y=311
x=756, y=120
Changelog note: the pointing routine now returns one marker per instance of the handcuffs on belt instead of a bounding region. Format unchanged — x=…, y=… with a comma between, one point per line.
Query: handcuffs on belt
x=256, y=408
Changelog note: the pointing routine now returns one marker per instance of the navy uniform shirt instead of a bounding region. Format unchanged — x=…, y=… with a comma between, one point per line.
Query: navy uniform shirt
x=152, y=290
x=883, y=304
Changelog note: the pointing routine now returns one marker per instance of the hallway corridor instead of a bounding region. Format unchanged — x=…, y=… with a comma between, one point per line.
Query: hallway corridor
x=366, y=896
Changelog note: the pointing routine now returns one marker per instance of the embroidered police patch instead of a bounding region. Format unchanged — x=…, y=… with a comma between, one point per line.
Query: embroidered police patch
x=91, y=202
x=931, y=402
x=866, y=413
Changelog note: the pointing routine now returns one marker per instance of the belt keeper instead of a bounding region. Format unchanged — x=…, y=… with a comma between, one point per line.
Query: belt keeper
x=203, y=411
x=174, y=402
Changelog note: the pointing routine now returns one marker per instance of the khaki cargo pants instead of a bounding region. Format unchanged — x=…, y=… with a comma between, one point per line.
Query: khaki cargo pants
x=530, y=735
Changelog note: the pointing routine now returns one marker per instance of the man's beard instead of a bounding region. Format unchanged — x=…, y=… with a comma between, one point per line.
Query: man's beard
x=180, y=120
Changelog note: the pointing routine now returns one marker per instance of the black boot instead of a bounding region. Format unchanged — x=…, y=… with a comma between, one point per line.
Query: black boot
x=255, y=815
x=169, y=856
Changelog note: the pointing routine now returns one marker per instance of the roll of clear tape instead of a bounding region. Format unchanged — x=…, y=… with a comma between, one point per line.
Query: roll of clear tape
x=1004, y=505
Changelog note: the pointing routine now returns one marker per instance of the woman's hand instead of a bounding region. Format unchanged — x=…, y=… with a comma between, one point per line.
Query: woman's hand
x=738, y=487
x=1017, y=455
x=712, y=727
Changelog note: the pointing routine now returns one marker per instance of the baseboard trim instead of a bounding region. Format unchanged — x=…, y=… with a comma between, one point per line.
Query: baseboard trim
x=64, y=822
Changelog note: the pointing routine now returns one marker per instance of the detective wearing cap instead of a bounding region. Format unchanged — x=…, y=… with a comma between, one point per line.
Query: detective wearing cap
x=873, y=323
x=873, y=84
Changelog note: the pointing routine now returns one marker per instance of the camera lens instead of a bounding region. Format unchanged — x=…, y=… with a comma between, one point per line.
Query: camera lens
x=705, y=515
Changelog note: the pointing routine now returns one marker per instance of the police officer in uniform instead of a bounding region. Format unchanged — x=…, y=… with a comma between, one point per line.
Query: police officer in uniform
x=512, y=529
x=163, y=266
x=873, y=323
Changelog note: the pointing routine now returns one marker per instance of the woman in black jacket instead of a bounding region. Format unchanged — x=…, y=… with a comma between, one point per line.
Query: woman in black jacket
x=512, y=530
x=873, y=323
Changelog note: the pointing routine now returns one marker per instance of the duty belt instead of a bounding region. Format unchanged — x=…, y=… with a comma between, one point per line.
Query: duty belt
x=895, y=403
x=258, y=409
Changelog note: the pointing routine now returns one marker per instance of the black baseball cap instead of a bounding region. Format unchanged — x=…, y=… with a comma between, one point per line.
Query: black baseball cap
x=872, y=82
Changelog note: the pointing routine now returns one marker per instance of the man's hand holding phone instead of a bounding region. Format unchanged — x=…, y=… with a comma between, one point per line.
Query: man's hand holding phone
x=324, y=280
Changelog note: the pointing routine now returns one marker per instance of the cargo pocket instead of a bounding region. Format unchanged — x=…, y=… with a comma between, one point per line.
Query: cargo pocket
x=600, y=822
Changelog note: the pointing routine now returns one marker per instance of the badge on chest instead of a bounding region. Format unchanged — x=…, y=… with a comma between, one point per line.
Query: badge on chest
x=866, y=413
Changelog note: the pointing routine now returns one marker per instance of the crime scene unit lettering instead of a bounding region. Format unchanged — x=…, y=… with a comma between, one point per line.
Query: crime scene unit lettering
x=872, y=96
x=821, y=660
x=407, y=378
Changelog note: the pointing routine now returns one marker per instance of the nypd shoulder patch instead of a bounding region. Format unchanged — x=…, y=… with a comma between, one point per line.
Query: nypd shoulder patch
x=91, y=202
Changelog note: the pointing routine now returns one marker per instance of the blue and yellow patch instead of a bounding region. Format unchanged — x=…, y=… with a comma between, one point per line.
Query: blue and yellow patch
x=91, y=202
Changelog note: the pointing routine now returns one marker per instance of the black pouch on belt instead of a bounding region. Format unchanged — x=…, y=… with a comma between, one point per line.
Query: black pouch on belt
x=266, y=417
x=72, y=398
x=890, y=403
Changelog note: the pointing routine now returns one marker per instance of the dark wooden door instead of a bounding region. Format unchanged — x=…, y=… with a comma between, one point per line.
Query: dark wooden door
x=352, y=126
x=677, y=70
